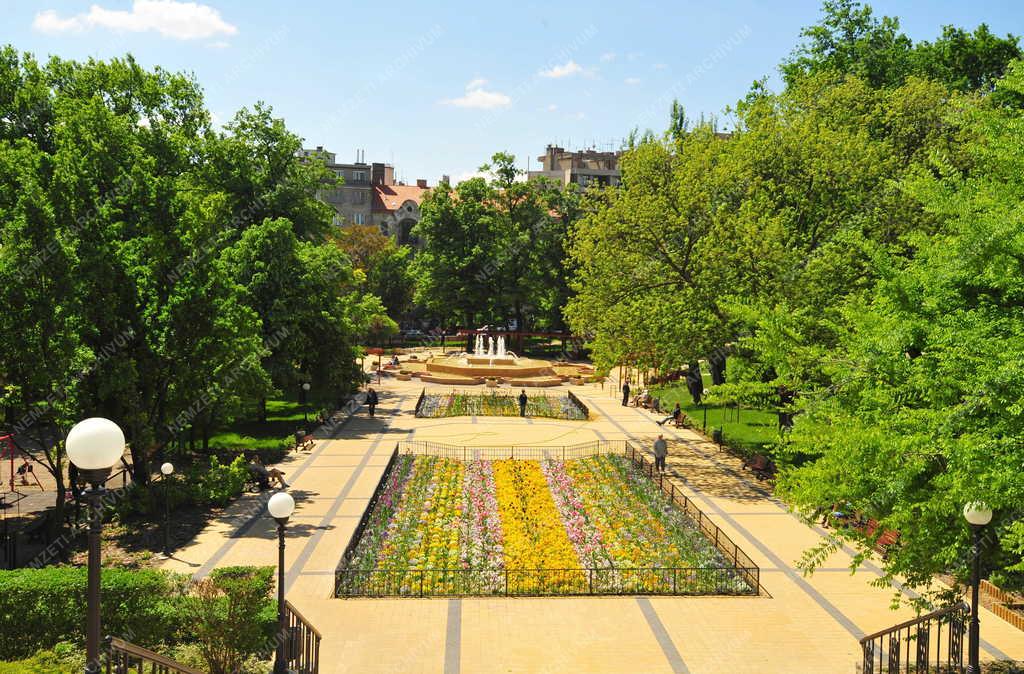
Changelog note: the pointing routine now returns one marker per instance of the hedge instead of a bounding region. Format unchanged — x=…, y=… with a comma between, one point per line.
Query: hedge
x=41, y=607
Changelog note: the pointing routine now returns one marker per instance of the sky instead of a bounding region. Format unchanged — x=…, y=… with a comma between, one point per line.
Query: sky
x=436, y=88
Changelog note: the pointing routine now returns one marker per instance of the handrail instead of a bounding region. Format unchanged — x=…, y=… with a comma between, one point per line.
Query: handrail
x=302, y=618
x=917, y=644
x=122, y=656
x=302, y=645
x=919, y=619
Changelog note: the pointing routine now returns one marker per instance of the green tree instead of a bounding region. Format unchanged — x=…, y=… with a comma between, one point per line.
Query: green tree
x=922, y=410
x=851, y=40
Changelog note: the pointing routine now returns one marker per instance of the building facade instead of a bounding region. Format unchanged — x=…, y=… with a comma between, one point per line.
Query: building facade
x=582, y=167
x=370, y=195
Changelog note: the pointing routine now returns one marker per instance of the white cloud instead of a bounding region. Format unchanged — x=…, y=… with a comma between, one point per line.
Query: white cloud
x=554, y=72
x=170, y=18
x=607, y=57
x=478, y=97
x=552, y=107
x=660, y=66
x=580, y=115
x=632, y=80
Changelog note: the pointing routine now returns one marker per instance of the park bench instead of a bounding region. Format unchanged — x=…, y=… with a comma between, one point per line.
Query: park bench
x=886, y=540
x=308, y=441
x=760, y=465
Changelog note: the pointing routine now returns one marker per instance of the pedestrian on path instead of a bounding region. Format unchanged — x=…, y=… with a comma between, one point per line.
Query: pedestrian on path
x=660, y=452
x=522, y=403
x=625, y=394
x=371, y=400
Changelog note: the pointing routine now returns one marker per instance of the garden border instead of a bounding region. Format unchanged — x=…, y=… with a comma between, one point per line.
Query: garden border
x=350, y=583
x=573, y=398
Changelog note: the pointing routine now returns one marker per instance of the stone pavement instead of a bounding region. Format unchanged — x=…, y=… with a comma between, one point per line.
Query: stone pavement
x=807, y=624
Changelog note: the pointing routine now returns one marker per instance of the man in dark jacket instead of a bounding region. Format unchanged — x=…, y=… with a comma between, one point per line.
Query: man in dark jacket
x=625, y=394
x=371, y=400
x=522, y=403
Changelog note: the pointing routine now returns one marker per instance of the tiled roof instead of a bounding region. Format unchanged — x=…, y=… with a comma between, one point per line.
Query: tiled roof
x=391, y=197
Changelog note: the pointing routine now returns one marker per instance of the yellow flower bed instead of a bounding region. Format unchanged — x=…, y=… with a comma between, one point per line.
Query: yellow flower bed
x=538, y=554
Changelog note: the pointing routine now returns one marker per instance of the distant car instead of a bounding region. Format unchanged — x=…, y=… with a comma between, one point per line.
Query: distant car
x=413, y=333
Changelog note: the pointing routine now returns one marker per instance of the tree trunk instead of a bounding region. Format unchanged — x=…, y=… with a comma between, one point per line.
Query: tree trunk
x=140, y=466
x=261, y=410
x=786, y=397
x=695, y=382
x=716, y=366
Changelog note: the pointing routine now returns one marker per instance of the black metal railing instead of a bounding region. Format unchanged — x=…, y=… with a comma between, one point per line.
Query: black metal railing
x=725, y=545
x=350, y=549
x=303, y=646
x=580, y=404
x=520, y=452
x=511, y=396
x=419, y=401
x=933, y=642
x=507, y=582
x=739, y=575
x=127, y=658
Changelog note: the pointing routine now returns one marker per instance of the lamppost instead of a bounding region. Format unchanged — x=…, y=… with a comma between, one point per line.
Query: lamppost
x=305, y=402
x=977, y=515
x=704, y=403
x=281, y=506
x=94, y=445
x=166, y=470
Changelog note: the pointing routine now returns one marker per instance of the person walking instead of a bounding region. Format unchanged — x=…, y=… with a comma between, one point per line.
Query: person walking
x=677, y=413
x=625, y=394
x=371, y=400
x=522, y=403
x=660, y=452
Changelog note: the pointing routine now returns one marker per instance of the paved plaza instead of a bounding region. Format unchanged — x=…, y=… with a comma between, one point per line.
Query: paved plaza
x=806, y=624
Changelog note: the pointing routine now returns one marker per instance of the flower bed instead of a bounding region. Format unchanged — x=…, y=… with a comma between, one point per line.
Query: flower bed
x=499, y=404
x=596, y=525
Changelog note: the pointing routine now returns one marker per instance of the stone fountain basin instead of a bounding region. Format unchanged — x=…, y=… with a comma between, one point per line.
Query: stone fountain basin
x=523, y=367
x=488, y=360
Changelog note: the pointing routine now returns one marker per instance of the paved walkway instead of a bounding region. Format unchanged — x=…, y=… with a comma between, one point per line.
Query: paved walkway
x=808, y=624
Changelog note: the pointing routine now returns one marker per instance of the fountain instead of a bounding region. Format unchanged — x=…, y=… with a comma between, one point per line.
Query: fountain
x=490, y=359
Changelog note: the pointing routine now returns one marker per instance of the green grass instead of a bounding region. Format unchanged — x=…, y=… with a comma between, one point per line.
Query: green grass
x=748, y=430
x=283, y=417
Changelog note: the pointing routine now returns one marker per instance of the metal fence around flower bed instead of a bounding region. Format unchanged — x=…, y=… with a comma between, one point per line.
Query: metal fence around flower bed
x=741, y=561
x=502, y=403
x=538, y=582
x=517, y=452
x=741, y=576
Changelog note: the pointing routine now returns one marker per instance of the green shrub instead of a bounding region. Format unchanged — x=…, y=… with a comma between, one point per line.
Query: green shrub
x=41, y=607
x=232, y=616
x=221, y=483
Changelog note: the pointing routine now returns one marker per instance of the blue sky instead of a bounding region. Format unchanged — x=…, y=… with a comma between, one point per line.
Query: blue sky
x=436, y=88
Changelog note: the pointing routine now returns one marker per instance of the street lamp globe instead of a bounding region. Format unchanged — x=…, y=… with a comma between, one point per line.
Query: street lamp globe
x=95, y=444
x=167, y=468
x=281, y=505
x=305, y=386
x=977, y=513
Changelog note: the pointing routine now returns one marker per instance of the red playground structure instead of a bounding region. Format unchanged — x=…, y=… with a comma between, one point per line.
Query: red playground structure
x=23, y=472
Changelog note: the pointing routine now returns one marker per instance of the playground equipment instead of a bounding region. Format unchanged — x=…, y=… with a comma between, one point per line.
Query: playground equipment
x=23, y=472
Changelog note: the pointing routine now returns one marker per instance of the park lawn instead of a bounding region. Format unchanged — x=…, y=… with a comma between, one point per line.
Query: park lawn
x=749, y=430
x=283, y=417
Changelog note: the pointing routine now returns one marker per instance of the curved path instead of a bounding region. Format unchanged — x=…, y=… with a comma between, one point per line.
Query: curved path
x=809, y=624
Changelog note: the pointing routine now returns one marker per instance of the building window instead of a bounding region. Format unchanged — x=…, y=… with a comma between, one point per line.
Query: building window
x=358, y=175
x=359, y=219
